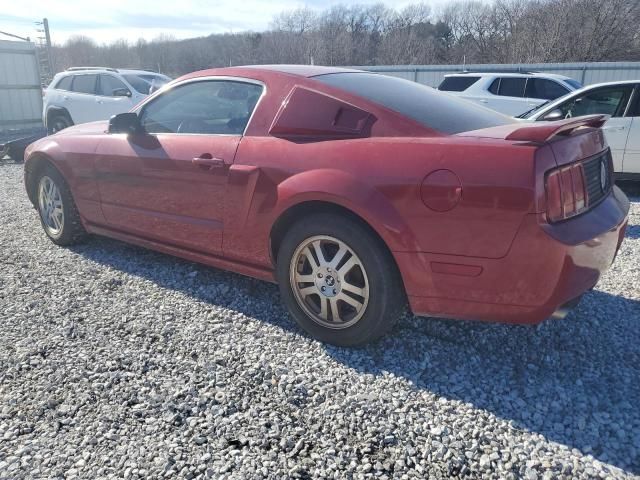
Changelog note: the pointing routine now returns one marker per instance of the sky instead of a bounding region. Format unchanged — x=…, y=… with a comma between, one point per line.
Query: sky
x=106, y=21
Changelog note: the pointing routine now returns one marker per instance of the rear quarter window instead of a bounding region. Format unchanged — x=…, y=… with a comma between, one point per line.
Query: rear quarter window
x=425, y=105
x=457, y=84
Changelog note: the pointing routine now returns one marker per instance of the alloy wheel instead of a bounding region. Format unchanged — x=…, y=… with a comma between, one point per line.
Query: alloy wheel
x=50, y=206
x=329, y=282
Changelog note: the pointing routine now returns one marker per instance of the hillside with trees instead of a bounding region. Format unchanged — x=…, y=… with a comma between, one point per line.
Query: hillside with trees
x=501, y=31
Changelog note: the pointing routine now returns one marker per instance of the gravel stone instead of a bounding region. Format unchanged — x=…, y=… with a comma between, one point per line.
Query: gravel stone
x=118, y=362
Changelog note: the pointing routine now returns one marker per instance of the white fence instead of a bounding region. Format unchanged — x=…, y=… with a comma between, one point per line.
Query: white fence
x=585, y=73
x=20, y=89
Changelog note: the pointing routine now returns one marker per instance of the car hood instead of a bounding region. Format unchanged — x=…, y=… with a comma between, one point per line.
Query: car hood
x=91, y=128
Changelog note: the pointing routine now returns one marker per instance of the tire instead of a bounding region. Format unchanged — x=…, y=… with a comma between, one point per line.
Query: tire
x=57, y=210
x=356, y=264
x=58, y=121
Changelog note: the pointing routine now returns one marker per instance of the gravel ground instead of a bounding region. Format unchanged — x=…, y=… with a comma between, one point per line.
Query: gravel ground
x=116, y=362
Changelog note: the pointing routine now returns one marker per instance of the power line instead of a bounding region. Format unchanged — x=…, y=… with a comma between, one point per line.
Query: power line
x=26, y=39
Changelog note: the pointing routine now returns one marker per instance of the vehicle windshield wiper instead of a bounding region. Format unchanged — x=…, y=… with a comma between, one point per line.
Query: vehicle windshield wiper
x=537, y=107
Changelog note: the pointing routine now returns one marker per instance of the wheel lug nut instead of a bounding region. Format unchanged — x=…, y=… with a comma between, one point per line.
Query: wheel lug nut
x=323, y=289
x=334, y=291
x=319, y=275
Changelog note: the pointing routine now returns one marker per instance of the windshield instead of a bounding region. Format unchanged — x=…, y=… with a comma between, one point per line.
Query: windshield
x=146, y=83
x=574, y=83
x=433, y=109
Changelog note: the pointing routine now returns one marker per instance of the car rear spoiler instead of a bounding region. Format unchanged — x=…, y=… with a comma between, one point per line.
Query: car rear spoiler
x=538, y=132
x=541, y=132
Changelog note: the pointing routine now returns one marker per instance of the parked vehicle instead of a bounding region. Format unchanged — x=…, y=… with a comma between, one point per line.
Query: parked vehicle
x=87, y=94
x=354, y=191
x=621, y=100
x=508, y=93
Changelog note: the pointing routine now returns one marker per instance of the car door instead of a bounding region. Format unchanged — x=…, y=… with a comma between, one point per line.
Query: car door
x=168, y=183
x=113, y=97
x=609, y=100
x=81, y=103
x=631, y=161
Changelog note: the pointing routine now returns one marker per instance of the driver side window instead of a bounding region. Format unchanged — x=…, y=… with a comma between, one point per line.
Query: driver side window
x=610, y=101
x=202, y=107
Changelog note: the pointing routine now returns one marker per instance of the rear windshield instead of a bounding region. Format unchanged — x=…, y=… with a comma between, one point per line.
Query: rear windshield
x=429, y=107
x=574, y=83
x=457, y=84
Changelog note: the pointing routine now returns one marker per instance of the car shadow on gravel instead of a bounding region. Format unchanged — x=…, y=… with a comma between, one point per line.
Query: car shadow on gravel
x=630, y=188
x=575, y=381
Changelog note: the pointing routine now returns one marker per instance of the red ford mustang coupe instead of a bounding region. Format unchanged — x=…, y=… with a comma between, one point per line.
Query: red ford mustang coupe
x=357, y=193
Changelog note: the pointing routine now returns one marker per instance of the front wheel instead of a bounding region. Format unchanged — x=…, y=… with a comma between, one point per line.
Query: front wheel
x=339, y=281
x=58, y=213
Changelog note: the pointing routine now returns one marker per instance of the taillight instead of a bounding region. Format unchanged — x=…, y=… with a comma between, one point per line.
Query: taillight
x=566, y=195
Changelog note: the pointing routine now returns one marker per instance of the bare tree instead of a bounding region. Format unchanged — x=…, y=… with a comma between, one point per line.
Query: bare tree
x=500, y=31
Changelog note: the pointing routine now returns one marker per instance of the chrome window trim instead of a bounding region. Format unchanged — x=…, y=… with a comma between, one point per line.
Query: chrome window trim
x=169, y=87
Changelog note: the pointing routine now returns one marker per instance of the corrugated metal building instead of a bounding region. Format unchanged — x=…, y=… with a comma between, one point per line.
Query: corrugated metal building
x=586, y=73
x=20, y=89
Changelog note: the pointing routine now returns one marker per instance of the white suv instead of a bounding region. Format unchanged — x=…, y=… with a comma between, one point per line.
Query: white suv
x=508, y=93
x=86, y=94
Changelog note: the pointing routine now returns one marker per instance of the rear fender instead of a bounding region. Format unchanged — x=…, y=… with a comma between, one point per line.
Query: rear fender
x=343, y=189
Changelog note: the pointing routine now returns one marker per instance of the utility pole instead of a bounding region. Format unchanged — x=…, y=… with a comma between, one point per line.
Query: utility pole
x=44, y=52
x=47, y=35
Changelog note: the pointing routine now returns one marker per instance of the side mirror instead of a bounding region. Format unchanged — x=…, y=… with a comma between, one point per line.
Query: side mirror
x=121, y=92
x=128, y=123
x=555, y=114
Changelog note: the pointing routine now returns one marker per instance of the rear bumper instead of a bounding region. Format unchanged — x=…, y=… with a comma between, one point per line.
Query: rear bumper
x=546, y=270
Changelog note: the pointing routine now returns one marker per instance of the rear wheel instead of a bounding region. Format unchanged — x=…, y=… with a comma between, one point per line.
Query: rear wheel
x=338, y=280
x=58, y=122
x=58, y=213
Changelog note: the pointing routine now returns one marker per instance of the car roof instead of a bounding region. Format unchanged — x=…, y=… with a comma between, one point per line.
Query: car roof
x=302, y=70
x=511, y=74
x=107, y=70
x=138, y=72
x=605, y=84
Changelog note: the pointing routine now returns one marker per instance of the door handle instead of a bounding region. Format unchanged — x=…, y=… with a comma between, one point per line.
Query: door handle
x=482, y=100
x=208, y=162
x=614, y=129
